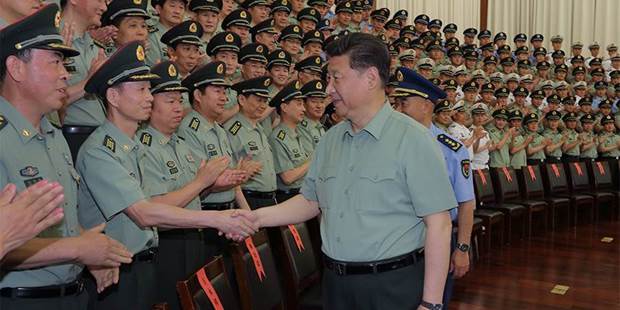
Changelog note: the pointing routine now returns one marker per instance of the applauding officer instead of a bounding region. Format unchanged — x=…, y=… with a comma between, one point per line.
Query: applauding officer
x=113, y=174
x=44, y=273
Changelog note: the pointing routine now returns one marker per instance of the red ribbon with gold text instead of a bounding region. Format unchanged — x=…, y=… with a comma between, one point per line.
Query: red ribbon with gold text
x=297, y=237
x=209, y=290
x=258, y=263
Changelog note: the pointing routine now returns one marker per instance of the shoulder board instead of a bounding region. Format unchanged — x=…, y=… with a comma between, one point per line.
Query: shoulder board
x=449, y=142
x=3, y=121
x=194, y=124
x=281, y=135
x=109, y=143
x=146, y=138
x=152, y=28
x=234, y=129
x=304, y=123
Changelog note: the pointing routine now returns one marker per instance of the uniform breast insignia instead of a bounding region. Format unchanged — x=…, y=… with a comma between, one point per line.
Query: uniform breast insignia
x=304, y=123
x=234, y=129
x=109, y=143
x=281, y=135
x=194, y=124
x=152, y=28
x=449, y=142
x=296, y=153
x=146, y=138
x=253, y=146
x=211, y=151
x=3, y=122
x=465, y=168
x=30, y=172
x=315, y=139
x=172, y=167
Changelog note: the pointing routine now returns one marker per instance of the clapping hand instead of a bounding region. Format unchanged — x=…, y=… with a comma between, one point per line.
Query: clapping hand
x=252, y=167
x=229, y=179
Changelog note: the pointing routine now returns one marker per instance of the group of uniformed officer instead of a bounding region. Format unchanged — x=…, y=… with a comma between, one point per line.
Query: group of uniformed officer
x=212, y=105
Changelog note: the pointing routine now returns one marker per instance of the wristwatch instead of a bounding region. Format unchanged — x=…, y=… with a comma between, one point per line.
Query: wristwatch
x=430, y=306
x=463, y=247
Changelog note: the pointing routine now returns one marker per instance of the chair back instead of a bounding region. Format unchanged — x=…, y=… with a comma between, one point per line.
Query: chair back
x=507, y=184
x=193, y=292
x=601, y=175
x=532, y=180
x=555, y=179
x=483, y=186
x=578, y=177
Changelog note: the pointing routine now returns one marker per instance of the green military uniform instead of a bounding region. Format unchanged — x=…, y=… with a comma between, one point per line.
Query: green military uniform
x=572, y=137
x=247, y=139
x=498, y=158
x=310, y=133
x=538, y=139
x=29, y=155
x=207, y=140
x=157, y=51
x=373, y=209
x=288, y=153
x=591, y=153
x=518, y=159
x=555, y=137
x=169, y=165
x=608, y=139
x=111, y=165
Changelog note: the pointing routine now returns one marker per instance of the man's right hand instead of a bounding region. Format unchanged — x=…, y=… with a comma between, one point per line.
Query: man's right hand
x=251, y=166
x=97, y=249
x=236, y=224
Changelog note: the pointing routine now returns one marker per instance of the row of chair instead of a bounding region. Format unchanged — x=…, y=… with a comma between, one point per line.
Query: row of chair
x=552, y=194
x=293, y=284
x=555, y=195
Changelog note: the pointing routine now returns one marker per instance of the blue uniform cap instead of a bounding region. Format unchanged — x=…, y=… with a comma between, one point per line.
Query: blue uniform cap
x=411, y=83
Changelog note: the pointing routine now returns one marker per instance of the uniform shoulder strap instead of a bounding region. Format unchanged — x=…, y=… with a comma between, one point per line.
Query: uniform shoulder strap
x=146, y=138
x=234, y=129
x=449, y=142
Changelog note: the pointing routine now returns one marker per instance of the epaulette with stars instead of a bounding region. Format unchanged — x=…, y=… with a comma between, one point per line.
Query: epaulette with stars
x=194, y=124
x=449, y=142
x=281, y=135
x=109, y=143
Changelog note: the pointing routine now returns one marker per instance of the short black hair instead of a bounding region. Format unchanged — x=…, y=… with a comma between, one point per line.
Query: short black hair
x=365, y=51
x=24, y=55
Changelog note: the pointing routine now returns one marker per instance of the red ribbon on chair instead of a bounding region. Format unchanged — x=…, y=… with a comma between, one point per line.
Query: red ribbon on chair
x=578, y=168
x=532, y=174
x=258, y=263
x=507, y=174
x=209, y=290
x=297, y=237
x=483, y=179
x=601, y=168
x=555, y=169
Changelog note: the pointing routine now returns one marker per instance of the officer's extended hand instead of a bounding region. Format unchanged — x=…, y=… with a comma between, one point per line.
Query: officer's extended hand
x=211, y=170
x=98, y=249
x=459, y=263
x=24, y=216
x=104, y=276
x=237, y=224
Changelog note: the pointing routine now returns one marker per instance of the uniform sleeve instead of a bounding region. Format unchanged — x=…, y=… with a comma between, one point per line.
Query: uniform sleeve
x=281, y=160
x=426, y=176
x=308, y=188
x=154, y=179
x=495, y=136
x=110, y=184
x=460, y=176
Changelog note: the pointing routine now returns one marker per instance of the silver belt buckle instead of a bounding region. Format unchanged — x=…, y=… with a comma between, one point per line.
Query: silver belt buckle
x=339, y=269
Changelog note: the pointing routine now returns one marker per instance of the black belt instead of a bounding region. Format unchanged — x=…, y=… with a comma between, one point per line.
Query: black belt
x=292, y=191
x=259, y=195
x=349, y=268
x=74, y=288
x=218, y=206
x=147, y=255
x=610, y=157
x=77, y=130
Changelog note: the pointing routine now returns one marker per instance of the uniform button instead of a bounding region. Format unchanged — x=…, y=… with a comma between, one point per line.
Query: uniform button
x=350, y=168
x=341, y=214
x=337, y=239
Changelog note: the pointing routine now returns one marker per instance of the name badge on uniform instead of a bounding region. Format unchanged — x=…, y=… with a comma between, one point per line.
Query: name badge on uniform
x=173, y=168
x=253, y=146
x=296, y=153
x=211, y=151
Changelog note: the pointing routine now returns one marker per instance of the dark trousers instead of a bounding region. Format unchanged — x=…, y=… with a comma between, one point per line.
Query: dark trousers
x=181, y=253
x=75, y=136
x=256, y=203
x=570, y=158
x=74, y=302
x=398, y=289
x=136, y=288
x=449, y=288
x=282, y=196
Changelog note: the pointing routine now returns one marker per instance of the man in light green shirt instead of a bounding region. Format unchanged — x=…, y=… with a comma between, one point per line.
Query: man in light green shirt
x=553, y=151
x=499, y=153
x=377, y=202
